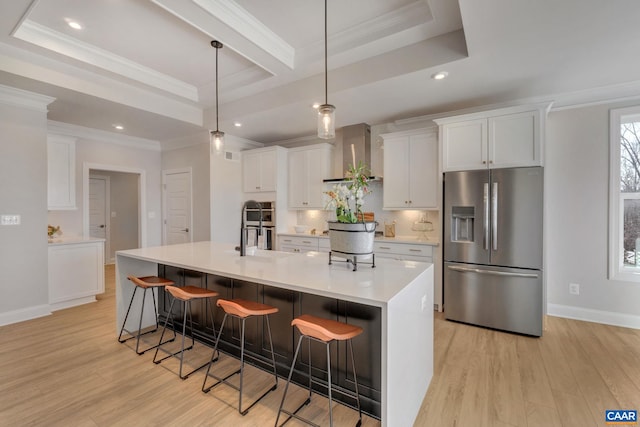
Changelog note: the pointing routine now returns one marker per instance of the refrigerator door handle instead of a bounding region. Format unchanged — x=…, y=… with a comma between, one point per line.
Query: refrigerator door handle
x=491, y=272
x=494, y=217
x=485, y=222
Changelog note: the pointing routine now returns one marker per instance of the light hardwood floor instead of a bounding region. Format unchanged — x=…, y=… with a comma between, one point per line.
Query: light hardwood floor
x=67, y=369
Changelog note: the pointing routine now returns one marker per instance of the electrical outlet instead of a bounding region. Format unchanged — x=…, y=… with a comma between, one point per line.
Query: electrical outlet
x=10, y=220
x=574, y=288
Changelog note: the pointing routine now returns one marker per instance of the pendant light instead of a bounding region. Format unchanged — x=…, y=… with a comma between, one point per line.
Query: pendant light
x=326, y=112
x=216, y=137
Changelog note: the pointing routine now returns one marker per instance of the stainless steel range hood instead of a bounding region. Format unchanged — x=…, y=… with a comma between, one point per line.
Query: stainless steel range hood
x=356, y=148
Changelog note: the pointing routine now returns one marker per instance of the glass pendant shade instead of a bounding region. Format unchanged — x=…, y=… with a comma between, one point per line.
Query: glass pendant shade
x=216, y=139
x=326, y=121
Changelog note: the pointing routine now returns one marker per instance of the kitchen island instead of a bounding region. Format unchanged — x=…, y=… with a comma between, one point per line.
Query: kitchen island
x=393, y=301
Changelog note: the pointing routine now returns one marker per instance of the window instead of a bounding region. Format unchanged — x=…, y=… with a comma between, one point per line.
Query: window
x=624, y=194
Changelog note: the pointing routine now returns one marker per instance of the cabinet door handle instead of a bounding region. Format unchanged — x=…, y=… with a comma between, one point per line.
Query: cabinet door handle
x=186, y=230
x=384, y=247
x=415, y=250
x=286, y=240
x=306, y=241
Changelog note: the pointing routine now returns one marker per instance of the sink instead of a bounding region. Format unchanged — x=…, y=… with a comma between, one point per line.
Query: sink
x=264, y=254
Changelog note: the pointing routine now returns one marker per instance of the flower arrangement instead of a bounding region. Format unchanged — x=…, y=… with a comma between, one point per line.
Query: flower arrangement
x=348, y=199
x=52, y=230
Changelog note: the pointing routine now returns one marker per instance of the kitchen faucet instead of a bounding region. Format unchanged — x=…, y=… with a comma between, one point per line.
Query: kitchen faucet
x=244, y=229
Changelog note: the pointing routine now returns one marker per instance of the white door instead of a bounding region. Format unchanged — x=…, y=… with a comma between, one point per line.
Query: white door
x=98, y=205
x=177, y=207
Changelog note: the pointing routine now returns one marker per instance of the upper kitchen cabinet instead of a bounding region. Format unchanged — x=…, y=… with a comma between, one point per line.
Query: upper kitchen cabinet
x=508, y=137
x=308, y=166
x=260, y=168
x=410, y=170
x=61, y=177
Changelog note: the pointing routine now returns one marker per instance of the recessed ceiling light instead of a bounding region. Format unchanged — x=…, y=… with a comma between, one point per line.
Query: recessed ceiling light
x=439, y=75
x=118, y=127
x=237, y=124
x=75, y=25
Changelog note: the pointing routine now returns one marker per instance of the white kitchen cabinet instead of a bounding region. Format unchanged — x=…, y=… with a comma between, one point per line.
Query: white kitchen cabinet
x=260, y=168
x=75, y=272
x=410, y=170
x=308, y=166
x=509, y=137
x=61, y=168
x=403, y=251
x=297, y=244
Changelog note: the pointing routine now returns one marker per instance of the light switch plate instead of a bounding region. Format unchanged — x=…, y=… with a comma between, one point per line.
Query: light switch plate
x=10, y=219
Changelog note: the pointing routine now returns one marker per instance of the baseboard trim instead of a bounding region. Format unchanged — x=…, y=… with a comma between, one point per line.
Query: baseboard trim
x=597, y=316
x=24, y=314
x=72, y=303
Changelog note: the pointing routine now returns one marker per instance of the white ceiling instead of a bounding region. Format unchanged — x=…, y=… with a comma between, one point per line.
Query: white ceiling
x=149, y=65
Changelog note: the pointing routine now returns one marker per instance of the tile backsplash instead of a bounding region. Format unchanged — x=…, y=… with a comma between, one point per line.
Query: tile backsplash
x=373, y=203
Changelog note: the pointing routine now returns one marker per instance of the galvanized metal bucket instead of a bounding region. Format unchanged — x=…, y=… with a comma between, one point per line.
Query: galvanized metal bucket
x=350, y=240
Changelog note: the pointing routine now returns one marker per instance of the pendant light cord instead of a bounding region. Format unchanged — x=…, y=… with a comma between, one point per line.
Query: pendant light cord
x=326, y=97
x=218, y=46
x=217, y=49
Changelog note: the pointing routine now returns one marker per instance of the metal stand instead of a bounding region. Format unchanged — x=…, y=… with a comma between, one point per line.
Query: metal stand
x=241, y=369
x=353, y=261
x=140, y=333
x=184, y=331
x=326, y=384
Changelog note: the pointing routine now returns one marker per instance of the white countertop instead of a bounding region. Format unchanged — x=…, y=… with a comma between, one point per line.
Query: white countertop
x=417, y=240
x=72, y=240
x=308, y=272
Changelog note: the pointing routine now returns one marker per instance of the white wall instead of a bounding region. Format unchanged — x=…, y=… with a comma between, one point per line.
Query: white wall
x=23, y=174
x=576, y=209
x=112, y=150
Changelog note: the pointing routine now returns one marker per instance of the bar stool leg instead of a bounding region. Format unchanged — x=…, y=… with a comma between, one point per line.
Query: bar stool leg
x=286, y=388
x=242, y=324
x=126, y=316
x=206, y=389
x=355, y=380
x=329, y=384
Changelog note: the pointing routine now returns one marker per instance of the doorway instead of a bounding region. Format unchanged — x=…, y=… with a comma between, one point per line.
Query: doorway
x=133, y=216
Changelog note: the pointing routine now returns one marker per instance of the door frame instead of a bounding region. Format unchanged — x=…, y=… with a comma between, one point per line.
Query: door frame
x=164, y=200
x=142, y=196
x=107, y=214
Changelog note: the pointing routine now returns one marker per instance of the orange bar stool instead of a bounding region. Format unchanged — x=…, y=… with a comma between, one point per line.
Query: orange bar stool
x=144, y=283
x=186, y=295
x=325, y=331
x=241, y=310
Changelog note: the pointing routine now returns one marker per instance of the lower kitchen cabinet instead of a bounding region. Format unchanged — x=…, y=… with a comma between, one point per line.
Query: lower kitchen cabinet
x=403, y=251
x=298, y=244
x=75, y=272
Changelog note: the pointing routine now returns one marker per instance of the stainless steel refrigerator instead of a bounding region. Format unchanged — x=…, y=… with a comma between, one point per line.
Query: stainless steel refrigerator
x=493, y=248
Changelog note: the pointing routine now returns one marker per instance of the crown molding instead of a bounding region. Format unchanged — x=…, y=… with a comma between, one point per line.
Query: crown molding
x=63, y=44
x=22, y=98
x=81, y=132
x=234, y=16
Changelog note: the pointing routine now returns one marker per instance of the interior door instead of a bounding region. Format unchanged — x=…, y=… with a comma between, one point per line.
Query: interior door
x=177, y=207
x=98, y=219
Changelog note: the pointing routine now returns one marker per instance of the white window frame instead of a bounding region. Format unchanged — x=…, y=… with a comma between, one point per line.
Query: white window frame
x=617, y=269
